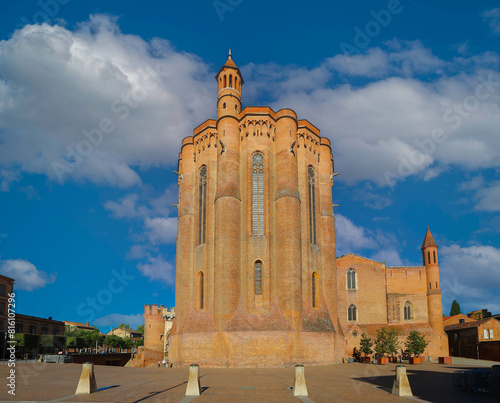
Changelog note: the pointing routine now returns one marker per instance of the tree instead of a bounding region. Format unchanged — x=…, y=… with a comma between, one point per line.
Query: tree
x=455, y=308
x=415, y=343
x=113, y=341
x=123, y=326
x=386, y=342
x=365, y=345
x=140, y=329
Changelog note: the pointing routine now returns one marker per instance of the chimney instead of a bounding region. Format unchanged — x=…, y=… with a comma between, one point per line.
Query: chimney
x=50, y=317
x=87, y=323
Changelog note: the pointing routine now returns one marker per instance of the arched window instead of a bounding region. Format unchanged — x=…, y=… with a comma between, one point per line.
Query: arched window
x=201, y=289
x=235, y=82
x=352, y=313
x=258, y=278
x=434, y=252
x=351, y=279
x=258, y=194
x=223, y=105
x=312, y=205
x=408, y=310
x=230, y=80
x=429, y=257
x=315, y=289
x=225, y=82
x=202, y=205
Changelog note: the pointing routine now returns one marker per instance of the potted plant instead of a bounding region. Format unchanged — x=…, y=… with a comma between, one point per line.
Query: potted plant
x=365, y=347
x=386, y=343
x=415, y=345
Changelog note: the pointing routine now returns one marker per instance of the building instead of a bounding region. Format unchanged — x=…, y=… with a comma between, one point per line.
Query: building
x=456, y=319
x=158, y=322
x=41, y=326
x=73, y=326
x=372, y=295
x=257, y=279
x=479, y=339
x=6, y=288
x=125, y=333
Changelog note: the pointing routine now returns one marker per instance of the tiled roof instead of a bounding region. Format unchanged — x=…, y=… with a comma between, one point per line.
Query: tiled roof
x=429, y=240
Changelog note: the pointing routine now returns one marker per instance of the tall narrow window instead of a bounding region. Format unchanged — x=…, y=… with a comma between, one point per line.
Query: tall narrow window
x=202, y=207
x=352, y=313
x=434, y=252
x=312, y=206
x=225, y=82
x=258, y=194
x=315, y=289
x=230, y=80
x=429, y=257
x=351, y=279
x=258, y=278
x=408, y=310
x=201, y=289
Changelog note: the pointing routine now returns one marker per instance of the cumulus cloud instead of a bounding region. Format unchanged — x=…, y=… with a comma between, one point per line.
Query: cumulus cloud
x=157, y=268
x=492, y=17
x=471, y=276
x=488, y=198
x=26, y=275
x=59, y=87
x=115, y=319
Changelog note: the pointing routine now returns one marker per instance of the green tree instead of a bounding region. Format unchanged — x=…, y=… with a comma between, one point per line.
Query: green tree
x=113, y=341
x=139, y=343
x=123, y=326
x=455, y=308
x=365, y=345
x=386, y=342
x=140, y=329
x=415, y=343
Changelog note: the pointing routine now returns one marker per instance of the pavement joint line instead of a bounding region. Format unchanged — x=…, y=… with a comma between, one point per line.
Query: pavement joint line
x=188, y=399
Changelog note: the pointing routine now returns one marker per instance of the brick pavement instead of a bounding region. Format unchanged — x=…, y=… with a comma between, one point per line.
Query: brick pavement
x=339, y=383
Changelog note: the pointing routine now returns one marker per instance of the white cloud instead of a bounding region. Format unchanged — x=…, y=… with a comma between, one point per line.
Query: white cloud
x=7, y=178
x=161, y=230
x=55, y=83
x=471, y=276
x=488, y=198
x=159, y=269
x=126, y=207
x=351, y=238
x=115, y=319
x=492, y=17
x=26, y=275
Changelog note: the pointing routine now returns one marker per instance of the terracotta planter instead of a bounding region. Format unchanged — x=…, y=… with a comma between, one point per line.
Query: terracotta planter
x=383, y=360
x=445, y=360
x=365, y=359
x=393, y=359
x=414, y=360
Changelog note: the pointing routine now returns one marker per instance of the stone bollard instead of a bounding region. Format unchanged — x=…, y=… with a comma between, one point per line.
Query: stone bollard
x=193, y=386
x=401, y=386
x=87, y=383
x=299, y=384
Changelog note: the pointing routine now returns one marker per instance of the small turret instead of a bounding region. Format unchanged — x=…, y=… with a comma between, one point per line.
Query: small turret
x=230, y=81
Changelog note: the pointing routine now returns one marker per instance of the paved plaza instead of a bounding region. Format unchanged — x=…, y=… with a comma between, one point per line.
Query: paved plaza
x=335, y=383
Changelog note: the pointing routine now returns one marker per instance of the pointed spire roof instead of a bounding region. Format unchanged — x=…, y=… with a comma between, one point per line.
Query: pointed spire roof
x=428, y=240
x=230, y=61
x=231, y=65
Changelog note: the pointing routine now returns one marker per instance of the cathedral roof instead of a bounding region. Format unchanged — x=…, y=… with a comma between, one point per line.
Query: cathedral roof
x=428, y=240
x=230, y=64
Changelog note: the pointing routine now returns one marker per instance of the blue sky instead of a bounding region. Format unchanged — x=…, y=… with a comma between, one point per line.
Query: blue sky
x=408, y=92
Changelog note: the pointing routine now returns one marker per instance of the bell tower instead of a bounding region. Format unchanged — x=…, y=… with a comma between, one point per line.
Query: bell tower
x=434, y=297
x=229, y=82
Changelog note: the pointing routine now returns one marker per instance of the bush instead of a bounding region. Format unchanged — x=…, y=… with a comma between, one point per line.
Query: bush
x=386, y=342
x=415, y=343
x=365, y=345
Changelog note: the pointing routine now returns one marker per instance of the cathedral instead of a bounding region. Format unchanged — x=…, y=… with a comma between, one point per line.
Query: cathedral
x=258, y=283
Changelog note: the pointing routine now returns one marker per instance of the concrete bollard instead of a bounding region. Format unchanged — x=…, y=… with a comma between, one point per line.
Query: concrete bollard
x=87, y=383
x=401, y=386
x=193, y=386
x=299, y=384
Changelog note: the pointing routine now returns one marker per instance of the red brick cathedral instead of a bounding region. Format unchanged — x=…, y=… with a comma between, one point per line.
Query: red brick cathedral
x=258, y=283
